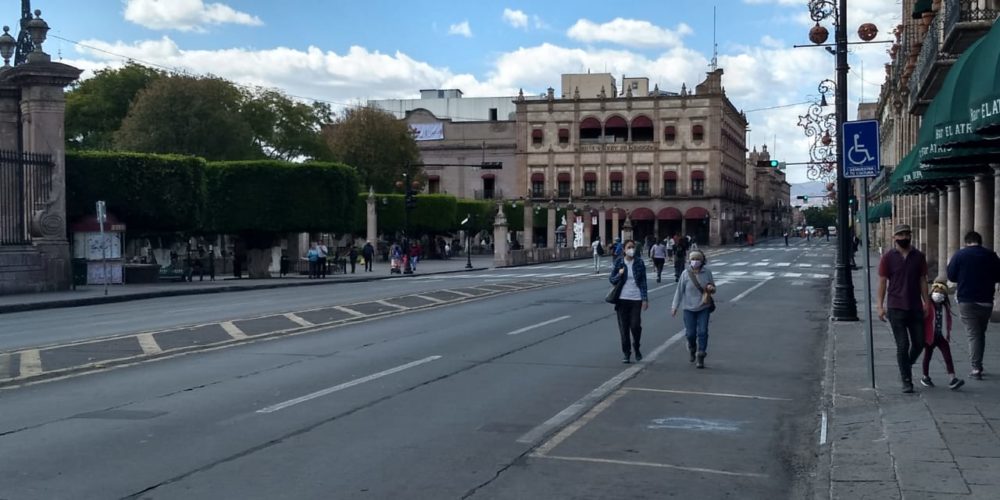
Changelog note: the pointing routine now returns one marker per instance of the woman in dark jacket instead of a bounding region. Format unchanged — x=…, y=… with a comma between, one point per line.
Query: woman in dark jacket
x=632, y=301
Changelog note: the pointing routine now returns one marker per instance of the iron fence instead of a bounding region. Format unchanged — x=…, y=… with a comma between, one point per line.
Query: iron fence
x=25, y=181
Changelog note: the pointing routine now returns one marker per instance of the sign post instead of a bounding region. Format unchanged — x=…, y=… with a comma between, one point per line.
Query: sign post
x=861, y=160
x=102, y=217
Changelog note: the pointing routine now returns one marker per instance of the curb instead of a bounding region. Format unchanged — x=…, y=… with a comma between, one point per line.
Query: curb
x=89, y=301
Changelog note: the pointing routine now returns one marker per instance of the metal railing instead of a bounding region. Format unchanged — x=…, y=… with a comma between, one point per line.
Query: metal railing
x=25, y=181
x=967, y=11
x=488, y=194
x=928, y=57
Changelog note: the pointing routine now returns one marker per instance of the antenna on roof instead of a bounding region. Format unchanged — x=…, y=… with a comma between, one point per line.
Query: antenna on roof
x=715, y=46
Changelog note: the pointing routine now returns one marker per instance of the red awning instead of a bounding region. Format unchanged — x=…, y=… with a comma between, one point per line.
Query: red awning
x=642, y=121
x=616, y=176
x=433, y=177
x=696, y=213
x=564, y=133
x=537, y=133
x=615, y=122
x=669, y=213
x=642, y=176
x=590, y=176
x=563, y=177
x=537, y=177
x=642, y=214
x=670, y=132
x=697, y=174
x=489, y=176
x=670, y=175
x=589, y=123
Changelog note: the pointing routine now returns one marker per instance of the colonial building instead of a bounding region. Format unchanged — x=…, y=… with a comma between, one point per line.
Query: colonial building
x=769, y=212
x=642, y=163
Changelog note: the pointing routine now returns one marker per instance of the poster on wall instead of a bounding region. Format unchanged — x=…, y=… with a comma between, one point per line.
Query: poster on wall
x=95, y=251
x=95, y=273
x=427, y=131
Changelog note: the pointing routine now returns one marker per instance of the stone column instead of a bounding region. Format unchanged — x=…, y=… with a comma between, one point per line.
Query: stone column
x=968, y=209
x=588, y=223
x=500, y=254
x=602, y=223
x=614, y=224
x=984, y=208
x=570, y=220
x=943, y=231
x=954, y=209
x=372, y=233
x=627, y=229
x=10, y=97
x=996, y=208
x=930, y=247
x=550, y=229
x=529, y=225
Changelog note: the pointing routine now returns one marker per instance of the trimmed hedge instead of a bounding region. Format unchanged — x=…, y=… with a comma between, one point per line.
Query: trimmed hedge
x=150, y=193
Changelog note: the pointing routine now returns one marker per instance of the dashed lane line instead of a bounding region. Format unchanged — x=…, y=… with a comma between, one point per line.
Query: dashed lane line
x=352, y=312
x=31, y=363
x=233, y=330
x=537, y=325
x=390, y=304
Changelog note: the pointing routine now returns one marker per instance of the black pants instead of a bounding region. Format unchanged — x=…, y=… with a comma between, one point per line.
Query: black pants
x=629, y=322
x=908, y=329
x=658, y=264
x=678, y=266
x=368, y=262
x=321, y=263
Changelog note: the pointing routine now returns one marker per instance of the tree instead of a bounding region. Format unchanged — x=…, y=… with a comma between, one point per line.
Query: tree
x=284, y=129
x=821, y=216
x=96, y=107
x=377, y=144
x=188, y=115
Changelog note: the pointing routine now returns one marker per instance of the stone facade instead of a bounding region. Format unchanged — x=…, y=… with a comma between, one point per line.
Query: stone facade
x=770, y=212
x=667, y=164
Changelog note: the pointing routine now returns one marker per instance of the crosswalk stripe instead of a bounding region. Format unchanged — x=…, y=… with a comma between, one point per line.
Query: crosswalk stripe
x=234, y=331
x=792, y=275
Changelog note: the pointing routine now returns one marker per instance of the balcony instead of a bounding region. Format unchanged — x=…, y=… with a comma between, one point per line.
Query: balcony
x=965, y=22
x=931, y=69
x=487, y=194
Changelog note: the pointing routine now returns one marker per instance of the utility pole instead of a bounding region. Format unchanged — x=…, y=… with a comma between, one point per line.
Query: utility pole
x=845, y=307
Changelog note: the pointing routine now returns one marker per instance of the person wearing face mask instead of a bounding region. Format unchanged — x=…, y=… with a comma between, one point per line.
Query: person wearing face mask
x=694, y=295
x=632, y=300
x=902, y=293
x=937, y=325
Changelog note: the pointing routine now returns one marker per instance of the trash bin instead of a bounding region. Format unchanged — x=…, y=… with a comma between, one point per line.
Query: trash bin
x=79, y=271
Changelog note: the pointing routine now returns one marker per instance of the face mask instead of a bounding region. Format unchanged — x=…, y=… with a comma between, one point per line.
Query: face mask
x=630, y=252
x=904, y=244
x=937, y=297
x=696, y=264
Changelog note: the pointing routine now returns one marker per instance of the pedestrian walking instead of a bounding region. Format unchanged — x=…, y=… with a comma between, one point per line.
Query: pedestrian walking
x=786, y=238
x=632, y=300
x=659, y=254
x=937, y=333
x=352, y=256
x=680, y=253
x=414, y=256
x=321, y=261
x=694, y=296
x=977, y=271
x=598, y=253
x=211, y=262
x=902, y=293
x=313, y=257
x=368, y=253
x=447, y=251
x=670, y=249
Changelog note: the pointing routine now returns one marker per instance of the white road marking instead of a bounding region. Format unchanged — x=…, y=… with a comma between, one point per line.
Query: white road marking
x=432, y=299
x=798, y=283
x=736, y=273
x=696, y=393
x=792, y=275
x=661, y=287
x=295, y=318
x=822, y=430
x=761, y=264
x=577, y=425
x=352, y=312
x=782, y=264
x=4, y=366
x=740, y=263
x=233, y=330
x=148, y=344
x=717, y=264
x=652, y=464
x=744, y=294
x=456, y=292
x=31, y=363
x=819, y=276
x=346, y=385
x=596, y=395
x=804, y=265
x=763, y=274
x=538, y=325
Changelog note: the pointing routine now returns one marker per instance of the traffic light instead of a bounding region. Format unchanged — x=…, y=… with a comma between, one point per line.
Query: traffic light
x=804, y=198
x=770, y=164
x=852, y=201
x=774, y=164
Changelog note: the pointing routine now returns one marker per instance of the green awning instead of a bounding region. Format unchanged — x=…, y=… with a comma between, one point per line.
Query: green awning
x=904, y=167
x=922, y=7
x=879, y=211
x=946, y=121
x=984, y=92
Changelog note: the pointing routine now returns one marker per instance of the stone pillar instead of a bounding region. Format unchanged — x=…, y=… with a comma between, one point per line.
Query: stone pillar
x=602, y=223
x=588, y=223
x=656, y=229
x=996, y=209
x=930, y=247
x=968, y=209
x=10, y=98
x=953, y=219
x=627, y=229
x=943, y=231
x=550, y=229
x=500, y=253
x=614, y=224
x=372, y=233
x=529, y=225
x=570, y=220
x=984, y=208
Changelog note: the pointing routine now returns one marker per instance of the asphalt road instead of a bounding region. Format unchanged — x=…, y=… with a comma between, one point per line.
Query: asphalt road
x=520, y=395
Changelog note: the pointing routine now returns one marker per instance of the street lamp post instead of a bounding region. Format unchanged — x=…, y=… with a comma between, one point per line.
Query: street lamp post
x=468, y=242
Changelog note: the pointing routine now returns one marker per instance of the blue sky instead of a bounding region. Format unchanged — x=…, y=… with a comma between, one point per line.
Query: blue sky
x=347, y=52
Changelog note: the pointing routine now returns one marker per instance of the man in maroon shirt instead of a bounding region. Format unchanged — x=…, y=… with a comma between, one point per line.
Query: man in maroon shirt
x=902, y=272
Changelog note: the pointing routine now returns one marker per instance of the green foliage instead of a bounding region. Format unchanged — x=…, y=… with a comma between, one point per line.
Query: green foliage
x=272, y=197
x=150, y=193
x=821, y=217
x=481, y=211
x=284, y=129
x=96, y=107
x=377, y=144
x=187, y=115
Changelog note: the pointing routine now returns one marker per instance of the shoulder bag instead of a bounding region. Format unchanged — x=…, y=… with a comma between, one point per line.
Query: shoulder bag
x=706, y=297
x=616, y=289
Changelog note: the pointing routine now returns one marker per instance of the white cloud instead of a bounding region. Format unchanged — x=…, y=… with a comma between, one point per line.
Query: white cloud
x=461, y=29
x=184, y=15
x=628, y=32
x=515, y=18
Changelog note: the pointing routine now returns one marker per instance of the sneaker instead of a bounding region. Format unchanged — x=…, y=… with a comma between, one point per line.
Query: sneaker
x=907, y=387
x=638, y=355
x=926, y=382
x=627, y=359
x=692, y=356
x=955, y=383
x=701, y=360
x=976, y=374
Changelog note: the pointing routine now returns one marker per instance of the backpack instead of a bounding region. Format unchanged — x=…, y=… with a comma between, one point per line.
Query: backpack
x=600, y=249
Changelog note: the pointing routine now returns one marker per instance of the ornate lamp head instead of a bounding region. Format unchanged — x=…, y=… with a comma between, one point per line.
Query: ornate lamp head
x=7, y=46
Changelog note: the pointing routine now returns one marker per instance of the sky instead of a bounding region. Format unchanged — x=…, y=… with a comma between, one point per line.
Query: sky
x=345, y=53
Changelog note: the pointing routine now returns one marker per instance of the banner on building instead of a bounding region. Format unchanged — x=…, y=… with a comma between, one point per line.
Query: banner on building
x=427, y=131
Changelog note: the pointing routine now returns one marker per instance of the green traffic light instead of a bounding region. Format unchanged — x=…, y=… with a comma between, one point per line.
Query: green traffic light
x=774, y=163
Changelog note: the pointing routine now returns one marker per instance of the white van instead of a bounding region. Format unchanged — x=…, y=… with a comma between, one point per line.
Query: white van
x=832, y=230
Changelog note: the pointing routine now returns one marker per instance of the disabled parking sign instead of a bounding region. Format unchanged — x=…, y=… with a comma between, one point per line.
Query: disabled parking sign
x=861, y=149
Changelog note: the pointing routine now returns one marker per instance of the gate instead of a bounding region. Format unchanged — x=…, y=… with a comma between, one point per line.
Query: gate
x=25, y=183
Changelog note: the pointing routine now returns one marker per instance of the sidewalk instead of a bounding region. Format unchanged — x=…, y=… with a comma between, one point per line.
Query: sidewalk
x=883, y=444
x=94, y=294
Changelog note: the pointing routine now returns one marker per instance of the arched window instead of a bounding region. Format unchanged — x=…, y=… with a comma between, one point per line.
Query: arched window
x=642, y=129
x=670, y=133
x=615, y=130
x=590, y=130
x=698, y=133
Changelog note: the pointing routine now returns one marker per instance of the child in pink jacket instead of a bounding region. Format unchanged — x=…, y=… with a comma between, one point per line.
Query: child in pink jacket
x=937, y=333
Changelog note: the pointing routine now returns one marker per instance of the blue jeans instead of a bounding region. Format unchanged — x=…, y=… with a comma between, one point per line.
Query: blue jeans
x=696, y=323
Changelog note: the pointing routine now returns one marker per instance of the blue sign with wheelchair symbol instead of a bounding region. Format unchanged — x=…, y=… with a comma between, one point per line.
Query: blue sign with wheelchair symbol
x=861, y=149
